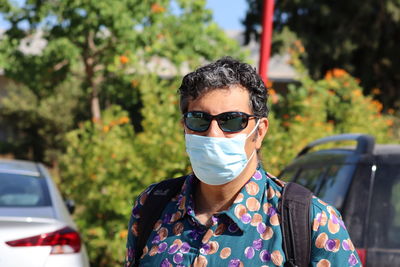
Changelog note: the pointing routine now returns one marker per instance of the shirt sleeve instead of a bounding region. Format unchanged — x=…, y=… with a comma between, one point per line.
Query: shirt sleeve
x=132, y=227
x=330, y=241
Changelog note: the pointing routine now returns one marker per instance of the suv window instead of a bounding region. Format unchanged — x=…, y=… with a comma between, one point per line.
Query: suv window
x=310, y=177
x=328, y=182
x=335, y=184
x=22, y=190
x=385, y=208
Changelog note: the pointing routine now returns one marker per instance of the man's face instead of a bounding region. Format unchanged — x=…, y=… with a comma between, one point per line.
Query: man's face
x=223, y=100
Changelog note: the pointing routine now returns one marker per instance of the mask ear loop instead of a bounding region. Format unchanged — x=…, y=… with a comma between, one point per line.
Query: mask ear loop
x=250, y=134
x=254, y=152
x=255, y=127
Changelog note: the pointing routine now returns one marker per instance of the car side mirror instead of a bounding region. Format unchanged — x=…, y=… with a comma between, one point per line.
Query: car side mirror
x=70, y=205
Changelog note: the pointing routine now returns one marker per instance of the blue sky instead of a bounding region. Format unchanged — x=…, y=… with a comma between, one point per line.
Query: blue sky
x=227, y=13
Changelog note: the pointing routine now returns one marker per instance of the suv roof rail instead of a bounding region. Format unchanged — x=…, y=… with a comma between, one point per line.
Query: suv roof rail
x=365, y=142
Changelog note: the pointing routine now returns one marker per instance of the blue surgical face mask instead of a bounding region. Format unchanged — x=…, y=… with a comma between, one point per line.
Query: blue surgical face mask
x=218, y=160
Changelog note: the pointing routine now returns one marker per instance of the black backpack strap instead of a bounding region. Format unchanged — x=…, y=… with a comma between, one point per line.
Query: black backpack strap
x=295, y=224
x=152, y=209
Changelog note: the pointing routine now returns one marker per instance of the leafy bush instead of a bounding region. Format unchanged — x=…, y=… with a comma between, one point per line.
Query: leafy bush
x=318, y=108
x=107, y=165
x=100, y=170
x=37, y=122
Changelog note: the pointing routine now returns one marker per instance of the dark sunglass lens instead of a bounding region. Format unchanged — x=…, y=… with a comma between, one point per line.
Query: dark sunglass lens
x=233, y=122
x=197, y=121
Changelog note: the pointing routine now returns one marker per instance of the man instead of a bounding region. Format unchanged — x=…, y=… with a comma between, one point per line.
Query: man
x=226, y=213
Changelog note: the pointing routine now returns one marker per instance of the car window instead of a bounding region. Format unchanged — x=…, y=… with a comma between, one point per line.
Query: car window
x=329, y=182
x=384, y=223
x=311, y=177
x=22, y=190
x=288, y=174
x=335, y=184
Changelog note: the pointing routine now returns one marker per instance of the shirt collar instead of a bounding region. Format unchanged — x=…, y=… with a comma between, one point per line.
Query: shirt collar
x=185, y=199
x=243, y=210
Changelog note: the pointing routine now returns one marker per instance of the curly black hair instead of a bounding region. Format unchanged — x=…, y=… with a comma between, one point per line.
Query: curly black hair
x=224, y=73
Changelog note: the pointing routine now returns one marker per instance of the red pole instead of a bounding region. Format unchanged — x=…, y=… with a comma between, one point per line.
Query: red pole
x=266, y=37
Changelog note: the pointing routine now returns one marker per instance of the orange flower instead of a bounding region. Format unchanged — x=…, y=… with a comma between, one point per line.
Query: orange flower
x=299, y=46
x=106, y=128
x=328, y=127
x=286, y=116
x=123, y=234
x=297, y=43
x=376, y=91
x=335, y=73
x=156, y=8
x=134, y=83
x=123, y=60
x=113, y=156
x=95, y=120
x=274, y=96
x=286, y=123
x=357, y=92
x=339, y=73
x=92, y=231
x=123, y=120
x=328, y=75
x=298, y=118
x=275, y=99
x=93, y=176
x=378, y=105
x=331, y=92
x=390, y=111
x=389, y=122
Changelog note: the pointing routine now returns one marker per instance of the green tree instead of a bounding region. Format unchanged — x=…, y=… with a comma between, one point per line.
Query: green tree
x=41, y=121
x=361, y=38
x=101, y=170
x=314, y=109
x=102, y=45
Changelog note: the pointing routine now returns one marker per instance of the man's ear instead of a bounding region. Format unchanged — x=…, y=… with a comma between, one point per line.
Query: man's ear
x=182, y=126
x=261, y=132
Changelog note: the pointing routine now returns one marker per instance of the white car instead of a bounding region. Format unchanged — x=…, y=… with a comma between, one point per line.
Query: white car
x=36, y=228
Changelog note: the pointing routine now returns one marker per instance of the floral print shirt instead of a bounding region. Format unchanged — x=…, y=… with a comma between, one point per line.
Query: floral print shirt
x=247, y=234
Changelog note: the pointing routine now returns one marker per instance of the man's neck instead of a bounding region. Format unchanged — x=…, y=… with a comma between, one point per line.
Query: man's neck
x=210, y=199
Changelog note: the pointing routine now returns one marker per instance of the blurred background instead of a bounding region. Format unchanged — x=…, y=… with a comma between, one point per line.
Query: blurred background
x=90, y=88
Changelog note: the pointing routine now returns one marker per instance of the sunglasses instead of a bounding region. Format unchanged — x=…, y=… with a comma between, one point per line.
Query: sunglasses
x=232, y=121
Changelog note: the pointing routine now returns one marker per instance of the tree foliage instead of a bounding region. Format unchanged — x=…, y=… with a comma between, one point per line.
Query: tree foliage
x=361, y=38
x=41, y=121
x=107, y=165
x=314, y=109
x=123, y=61
x=101, y=170
x=101, y=45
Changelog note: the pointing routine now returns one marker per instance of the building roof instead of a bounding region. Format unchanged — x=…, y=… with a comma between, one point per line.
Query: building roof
x=279, y=70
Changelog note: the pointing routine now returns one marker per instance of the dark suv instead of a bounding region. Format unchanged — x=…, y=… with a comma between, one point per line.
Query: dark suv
x=363, y=183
